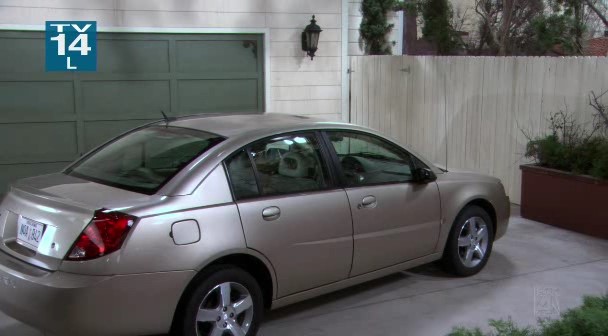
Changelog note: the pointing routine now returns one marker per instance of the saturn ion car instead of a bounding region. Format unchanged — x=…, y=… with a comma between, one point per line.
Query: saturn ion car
x=197, y=225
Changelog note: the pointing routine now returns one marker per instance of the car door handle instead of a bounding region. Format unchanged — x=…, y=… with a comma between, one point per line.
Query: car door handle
x=368, y=202
x=271, y=213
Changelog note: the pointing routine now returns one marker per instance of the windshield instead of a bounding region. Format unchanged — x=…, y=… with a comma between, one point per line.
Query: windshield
x=144, y=160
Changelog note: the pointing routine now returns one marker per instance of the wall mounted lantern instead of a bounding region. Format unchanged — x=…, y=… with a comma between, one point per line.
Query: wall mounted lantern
x=310, y=38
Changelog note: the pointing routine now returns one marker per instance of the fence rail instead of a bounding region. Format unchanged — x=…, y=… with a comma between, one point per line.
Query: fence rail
x=471, y=112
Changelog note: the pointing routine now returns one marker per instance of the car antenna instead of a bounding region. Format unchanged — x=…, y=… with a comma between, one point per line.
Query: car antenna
x=167, y=119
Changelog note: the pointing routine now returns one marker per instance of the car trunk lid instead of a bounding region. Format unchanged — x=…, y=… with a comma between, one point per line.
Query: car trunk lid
x=63, y=204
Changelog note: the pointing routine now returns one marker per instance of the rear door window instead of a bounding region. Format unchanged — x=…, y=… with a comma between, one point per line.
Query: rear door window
x=290, y=164
x=144, y=160
x=281, y=165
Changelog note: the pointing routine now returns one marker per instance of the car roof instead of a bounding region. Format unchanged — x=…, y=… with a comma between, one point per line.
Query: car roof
x=241, y=129
x=252, y=124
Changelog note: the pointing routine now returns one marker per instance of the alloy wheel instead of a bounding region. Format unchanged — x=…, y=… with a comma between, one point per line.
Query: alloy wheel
x=226, y=310
x=473, y=241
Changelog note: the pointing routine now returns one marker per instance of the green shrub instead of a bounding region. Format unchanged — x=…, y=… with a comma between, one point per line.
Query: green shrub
x=375, y=26
x=549, y=152
x=570, y=147
x=585, y=154
x=590, y=319
x=599, y=167
x=500, y=328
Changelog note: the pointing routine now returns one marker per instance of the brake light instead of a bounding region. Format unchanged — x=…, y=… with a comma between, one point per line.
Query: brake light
x=105, y=234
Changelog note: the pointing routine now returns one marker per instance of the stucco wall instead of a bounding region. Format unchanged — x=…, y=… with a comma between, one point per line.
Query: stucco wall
x=297, y=84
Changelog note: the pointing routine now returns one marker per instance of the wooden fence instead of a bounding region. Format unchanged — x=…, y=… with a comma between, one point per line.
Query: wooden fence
x=469, y=112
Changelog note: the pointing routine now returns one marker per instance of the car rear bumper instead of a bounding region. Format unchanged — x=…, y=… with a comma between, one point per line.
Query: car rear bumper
x=62, y=303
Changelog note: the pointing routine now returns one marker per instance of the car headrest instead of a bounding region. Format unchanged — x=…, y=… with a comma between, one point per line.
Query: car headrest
x=296, y=164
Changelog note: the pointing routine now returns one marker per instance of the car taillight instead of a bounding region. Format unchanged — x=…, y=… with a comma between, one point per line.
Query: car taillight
x=105, y=234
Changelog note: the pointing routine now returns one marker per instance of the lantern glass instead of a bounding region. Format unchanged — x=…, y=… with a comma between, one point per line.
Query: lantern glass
x=313, y=40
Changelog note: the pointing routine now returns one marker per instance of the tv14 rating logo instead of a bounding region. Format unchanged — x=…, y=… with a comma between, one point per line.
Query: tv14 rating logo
x=71, y=46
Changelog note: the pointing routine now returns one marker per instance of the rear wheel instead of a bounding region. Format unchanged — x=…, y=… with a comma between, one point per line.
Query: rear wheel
x=470, y=242
x=227, y=302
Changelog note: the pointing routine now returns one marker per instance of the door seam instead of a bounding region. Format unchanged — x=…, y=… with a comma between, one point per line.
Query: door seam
x=352, y=235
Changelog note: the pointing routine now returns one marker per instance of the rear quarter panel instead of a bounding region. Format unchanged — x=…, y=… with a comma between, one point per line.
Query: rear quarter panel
x=150, y=247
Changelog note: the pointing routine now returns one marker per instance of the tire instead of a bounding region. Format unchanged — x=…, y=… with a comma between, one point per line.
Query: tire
x=467, y=251
x=221, y=316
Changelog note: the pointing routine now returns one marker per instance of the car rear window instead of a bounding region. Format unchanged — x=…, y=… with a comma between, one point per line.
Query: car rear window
x=144, y=160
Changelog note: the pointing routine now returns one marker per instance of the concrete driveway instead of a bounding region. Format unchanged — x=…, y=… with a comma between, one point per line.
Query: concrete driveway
x=536, y=271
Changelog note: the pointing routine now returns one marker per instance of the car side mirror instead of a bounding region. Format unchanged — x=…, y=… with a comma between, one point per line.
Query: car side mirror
x=423, y=175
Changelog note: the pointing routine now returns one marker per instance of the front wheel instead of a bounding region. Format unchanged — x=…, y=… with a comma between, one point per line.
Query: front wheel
x=227, y=302
x=470, y=242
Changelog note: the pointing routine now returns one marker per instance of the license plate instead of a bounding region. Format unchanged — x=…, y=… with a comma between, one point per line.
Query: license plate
x=29, y=232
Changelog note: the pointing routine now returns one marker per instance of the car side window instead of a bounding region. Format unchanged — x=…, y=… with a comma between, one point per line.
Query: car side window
x=367, y=160
x=242, y=176
x=289, y=164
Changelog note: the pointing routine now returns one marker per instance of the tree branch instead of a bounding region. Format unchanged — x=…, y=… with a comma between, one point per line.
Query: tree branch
x=602, y=110
x=597, y=12
x=489, y=21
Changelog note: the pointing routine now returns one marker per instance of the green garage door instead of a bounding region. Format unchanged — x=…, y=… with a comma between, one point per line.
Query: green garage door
x=49, y=119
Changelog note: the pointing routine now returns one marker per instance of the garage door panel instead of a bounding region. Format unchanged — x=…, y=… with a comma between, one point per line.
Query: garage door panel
x=55, y=116
x=196, y=96
x=131, y=56
x=38, y=142
x=217, y=56
x=52, y=100
x=22, y=55
x=98, y=132
x=107, y=100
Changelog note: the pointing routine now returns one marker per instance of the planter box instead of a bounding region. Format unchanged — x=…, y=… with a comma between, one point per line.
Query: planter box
x=569, y=201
